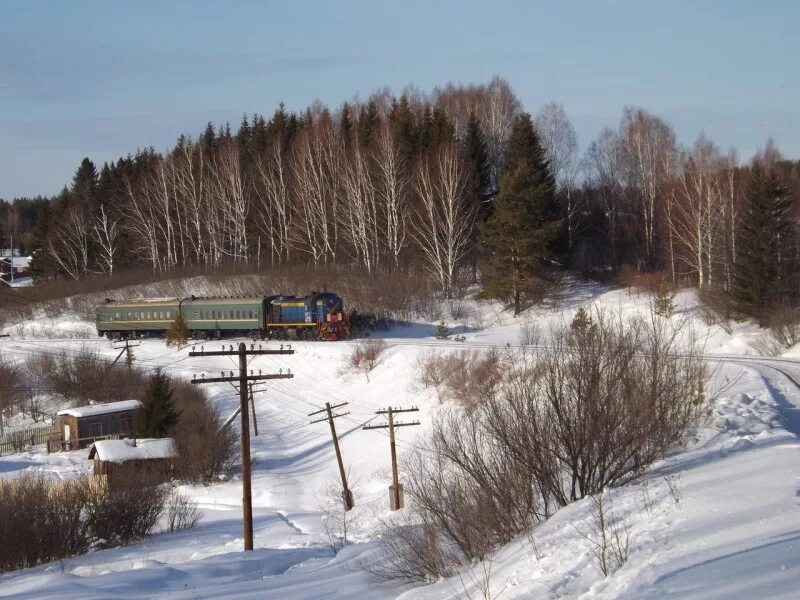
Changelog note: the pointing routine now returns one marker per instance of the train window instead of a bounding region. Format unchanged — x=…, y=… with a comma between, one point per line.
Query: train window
x=195, y=315
x=252, y=314
x=161, y=315
x=213, y=314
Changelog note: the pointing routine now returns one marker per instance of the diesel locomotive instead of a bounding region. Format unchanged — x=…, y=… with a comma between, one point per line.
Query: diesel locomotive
x=318, y=316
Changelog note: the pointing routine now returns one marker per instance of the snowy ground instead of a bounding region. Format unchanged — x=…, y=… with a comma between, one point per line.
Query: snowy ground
x=719, y=520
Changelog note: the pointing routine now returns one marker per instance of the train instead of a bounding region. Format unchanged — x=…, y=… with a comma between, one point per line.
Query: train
x=318, y=316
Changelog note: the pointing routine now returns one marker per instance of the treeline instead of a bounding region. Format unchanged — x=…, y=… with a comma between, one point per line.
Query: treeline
x=414, y=181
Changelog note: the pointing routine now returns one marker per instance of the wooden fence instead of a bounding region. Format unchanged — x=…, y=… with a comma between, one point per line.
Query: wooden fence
x=17, y=441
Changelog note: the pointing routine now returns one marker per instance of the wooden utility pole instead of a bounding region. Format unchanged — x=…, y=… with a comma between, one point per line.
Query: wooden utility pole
x=243, y=379
x=347, y=495
x=396, y=499
x=253, y=409
x=127, y=349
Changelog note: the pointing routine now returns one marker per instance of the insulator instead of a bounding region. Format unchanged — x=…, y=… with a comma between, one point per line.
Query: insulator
x=222, y=374
x=281, y=346
x=192, y=348
x=280, y=371
x=259, y=371
x=231, y=373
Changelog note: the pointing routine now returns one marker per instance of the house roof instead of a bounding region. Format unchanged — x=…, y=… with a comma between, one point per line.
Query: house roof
x=120, y=451
x=101, y=409
x=20, y=262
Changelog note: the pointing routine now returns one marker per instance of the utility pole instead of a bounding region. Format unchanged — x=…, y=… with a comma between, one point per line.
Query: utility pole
x=127, y=349
x=11, y=251
x=243, y=379
x=253, y=409
x=347, y=495
x=396, y=499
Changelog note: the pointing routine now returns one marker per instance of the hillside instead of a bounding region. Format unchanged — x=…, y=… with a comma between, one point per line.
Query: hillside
x=718, y=518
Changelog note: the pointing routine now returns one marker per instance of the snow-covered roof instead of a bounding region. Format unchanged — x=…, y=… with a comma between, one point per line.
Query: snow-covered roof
x=101, y=409
x=120, y=451
x=20, y=262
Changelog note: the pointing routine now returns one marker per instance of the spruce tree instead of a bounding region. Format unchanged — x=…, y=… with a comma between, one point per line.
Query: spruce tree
x=178, y=332
x=765, y=275
x=476, y=156
x=157, y=415
x=517, y=240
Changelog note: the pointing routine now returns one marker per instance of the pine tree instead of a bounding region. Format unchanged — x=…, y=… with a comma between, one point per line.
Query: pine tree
x=765, y=274
x=476, y=156
x=581, y=322
x=157, y=415
x=664, y=301
x=517, y=240
x=178, y=332
x=84, y=184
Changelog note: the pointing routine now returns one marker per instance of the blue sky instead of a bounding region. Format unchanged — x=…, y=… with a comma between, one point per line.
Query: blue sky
x=100, y=79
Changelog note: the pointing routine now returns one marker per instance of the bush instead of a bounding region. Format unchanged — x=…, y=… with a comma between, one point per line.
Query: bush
x=206, y=450
x=124, y=514
x=42, y=520
x=468, y=377
x=365, y=356
x=83, y=376
x=594, y=409
x=182, y=512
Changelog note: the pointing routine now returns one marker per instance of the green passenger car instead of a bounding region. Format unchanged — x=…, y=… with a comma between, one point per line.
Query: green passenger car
x=205, y=317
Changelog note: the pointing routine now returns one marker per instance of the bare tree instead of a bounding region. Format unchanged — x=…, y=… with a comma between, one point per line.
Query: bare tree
x=273, y=209
x=445, y=216
x=68, y=242
x=391, y=185
x=105, y=233
x=698, y=224
x=650, y=147
x=561, y=145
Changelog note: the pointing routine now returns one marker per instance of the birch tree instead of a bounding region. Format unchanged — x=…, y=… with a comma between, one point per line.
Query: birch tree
x=444, y=216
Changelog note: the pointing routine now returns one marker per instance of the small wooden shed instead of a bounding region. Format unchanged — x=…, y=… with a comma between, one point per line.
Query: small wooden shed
x=122, y=463
x=79, y=427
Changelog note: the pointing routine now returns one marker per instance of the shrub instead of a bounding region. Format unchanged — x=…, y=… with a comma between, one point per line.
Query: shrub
x=43, y=520
x=124, y=514
x=82, y=376
x=365, y=355
x=442, y=331
x=468, y=377
x=206, y=449
x=622, y=392
x=182, y=512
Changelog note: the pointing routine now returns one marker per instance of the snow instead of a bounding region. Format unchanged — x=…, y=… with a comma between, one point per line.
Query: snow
x=100, y=408
x=719, y=518
x=120, y=451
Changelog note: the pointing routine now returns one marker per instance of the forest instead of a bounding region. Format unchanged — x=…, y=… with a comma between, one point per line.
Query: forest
x=461, y=184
